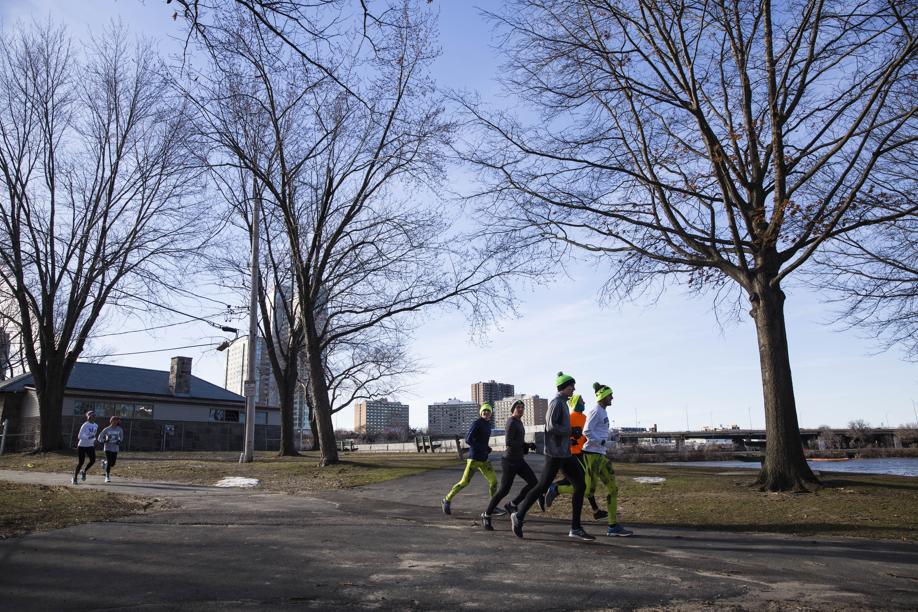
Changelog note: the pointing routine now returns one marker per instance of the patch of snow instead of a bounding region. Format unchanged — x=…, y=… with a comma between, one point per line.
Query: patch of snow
x=649, y=479
x=237, y=481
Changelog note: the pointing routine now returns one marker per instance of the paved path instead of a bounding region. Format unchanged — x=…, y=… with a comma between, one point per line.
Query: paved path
x=387, y=546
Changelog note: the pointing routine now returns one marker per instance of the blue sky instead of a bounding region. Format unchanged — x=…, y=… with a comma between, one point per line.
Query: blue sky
x=669, y=363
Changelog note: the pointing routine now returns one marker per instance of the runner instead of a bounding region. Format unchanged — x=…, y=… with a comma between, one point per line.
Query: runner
x=111, y=438
x=578, y=421
x=86, y=446
x=478, y=437
x=557, y=457
x=512, y=464
x=597, y=463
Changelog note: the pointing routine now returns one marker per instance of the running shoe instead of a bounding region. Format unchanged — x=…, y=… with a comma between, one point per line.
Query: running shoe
x=105, y=465
x=618, y=530
x=551, y=495
x=74, y=480
x=445, y=505
x=580, y=534
x=600, y=514
x=83, y=475
x=516, y=523
x=499, y=512
x=486, y=522
x=108, y=478
x=541, y=501
x=510, y=507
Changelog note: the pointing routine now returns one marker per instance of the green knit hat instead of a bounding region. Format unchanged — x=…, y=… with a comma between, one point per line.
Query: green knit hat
x=486, y=407
x=576, y=403
x=563, y=380
x=602, y=391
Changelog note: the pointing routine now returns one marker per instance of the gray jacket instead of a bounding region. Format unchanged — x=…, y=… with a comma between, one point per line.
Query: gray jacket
x=111, y=438
x=558, y=428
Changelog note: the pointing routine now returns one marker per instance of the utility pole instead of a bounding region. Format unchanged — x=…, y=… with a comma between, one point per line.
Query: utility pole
x=248, y=451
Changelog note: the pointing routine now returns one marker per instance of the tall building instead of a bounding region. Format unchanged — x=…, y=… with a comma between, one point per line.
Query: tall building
x=266, y=392
x=490, y=391
x=533, y=418
x=452, y=417
x=375, y=416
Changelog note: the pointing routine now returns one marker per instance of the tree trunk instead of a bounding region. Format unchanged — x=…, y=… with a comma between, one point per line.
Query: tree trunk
x=50, y=406
x=785, y=468
x=287, y=394
x=321, y=406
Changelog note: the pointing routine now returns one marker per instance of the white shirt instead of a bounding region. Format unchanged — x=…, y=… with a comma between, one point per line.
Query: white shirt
x=87, y=435
x=596, y=430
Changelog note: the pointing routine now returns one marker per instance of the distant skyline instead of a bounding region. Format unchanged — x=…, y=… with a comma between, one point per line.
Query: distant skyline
x=669, y=363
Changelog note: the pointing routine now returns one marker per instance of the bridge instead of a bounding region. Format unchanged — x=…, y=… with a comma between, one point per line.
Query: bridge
x=744, y=439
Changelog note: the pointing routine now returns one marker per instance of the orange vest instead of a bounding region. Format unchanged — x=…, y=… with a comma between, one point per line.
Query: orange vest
x=578, y=422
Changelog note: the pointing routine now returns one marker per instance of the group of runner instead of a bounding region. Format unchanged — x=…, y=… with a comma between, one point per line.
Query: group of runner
x=575, y=444
x=110, y=438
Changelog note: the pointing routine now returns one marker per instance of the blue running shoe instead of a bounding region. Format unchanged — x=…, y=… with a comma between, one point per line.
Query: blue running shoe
x=499, y=512
x=446, y=507
x=551, y=495
x=618, y=530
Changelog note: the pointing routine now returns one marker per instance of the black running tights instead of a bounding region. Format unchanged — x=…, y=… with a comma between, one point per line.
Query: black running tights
x=574, y=472
x=510, y=469
x=82, y=453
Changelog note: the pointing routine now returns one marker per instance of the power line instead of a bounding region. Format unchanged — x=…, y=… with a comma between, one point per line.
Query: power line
x=174, y=348
x=225, y=328
x=137, y=331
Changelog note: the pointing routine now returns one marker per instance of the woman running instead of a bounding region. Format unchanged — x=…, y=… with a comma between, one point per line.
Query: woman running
x=86, y=446
x=111, y=438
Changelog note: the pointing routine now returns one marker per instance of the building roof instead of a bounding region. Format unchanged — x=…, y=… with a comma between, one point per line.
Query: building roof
x=131, y=381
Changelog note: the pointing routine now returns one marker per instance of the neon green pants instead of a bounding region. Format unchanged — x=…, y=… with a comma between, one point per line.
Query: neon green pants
x=470, y=466
x=597, y=467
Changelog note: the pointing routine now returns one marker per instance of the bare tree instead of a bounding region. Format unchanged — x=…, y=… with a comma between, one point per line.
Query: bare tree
x=95, y=202
x=859, y=431
x=279, y=320
x=344, y=172
x=874, y=276
x=721, y=143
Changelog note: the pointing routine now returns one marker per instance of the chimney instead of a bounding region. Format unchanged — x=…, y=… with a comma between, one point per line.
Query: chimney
x=180, y=376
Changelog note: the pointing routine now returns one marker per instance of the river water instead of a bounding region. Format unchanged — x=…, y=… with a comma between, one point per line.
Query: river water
x=907, y=466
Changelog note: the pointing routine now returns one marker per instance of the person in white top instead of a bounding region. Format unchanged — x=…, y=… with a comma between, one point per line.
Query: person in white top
x=111, y=438
x=596, y=463
x=86, y=446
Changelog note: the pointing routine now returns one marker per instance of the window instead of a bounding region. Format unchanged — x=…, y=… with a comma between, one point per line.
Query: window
x=226, y=416
x=109, y=409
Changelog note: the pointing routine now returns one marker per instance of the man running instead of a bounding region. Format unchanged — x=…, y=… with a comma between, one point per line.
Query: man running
x=512, y=464
x=478, y=437
x=86, y=446
x=597, y=463
x=557, y=457
x=578, y=422
x=111, y=438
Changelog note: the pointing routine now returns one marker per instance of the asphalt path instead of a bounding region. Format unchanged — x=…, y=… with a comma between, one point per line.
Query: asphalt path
x=388, y=546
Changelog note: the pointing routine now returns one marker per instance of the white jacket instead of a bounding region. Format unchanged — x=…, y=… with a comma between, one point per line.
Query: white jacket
x=596, y=430
x=87, y=435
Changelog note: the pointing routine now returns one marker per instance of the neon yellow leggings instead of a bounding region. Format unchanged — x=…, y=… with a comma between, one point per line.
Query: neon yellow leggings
x=470, y=466
x=597, y=467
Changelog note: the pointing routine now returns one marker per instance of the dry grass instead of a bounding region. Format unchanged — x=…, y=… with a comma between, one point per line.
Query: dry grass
x=286, y=474
x=858, y=505
x=25, y=508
